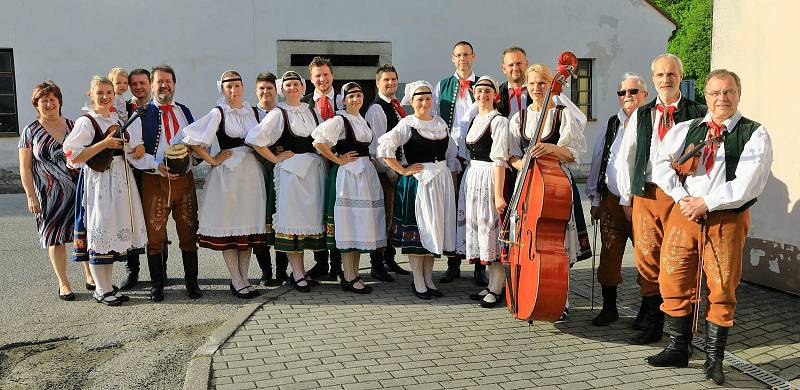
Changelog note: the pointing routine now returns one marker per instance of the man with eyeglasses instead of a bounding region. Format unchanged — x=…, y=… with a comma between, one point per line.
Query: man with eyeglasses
x=711, y=219
x=453, y=97
x=603, y=193
x=647, y=205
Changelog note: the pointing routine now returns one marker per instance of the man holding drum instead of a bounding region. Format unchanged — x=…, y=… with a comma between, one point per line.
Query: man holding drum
x=167, y=183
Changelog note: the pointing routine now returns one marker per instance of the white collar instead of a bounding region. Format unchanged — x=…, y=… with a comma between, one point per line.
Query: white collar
x=658, y=100
x=729, y=123
x=330, y=95
x=384, y=97
x=471, y=77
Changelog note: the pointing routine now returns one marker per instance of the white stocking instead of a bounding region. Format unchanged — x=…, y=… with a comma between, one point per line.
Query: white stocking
x=298, y=268
x=102, y=278
x=496, y=277
x=231, y=257
x=416, y=270
x=427, y=271
x=348, y=261
x=244, y=266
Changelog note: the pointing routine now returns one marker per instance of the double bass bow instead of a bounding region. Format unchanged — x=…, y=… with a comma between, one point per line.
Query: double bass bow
x=532, y=238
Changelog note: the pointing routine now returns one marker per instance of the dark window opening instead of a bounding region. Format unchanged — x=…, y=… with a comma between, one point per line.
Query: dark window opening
x=337, y=59
x=581, y=87
x=9, y=121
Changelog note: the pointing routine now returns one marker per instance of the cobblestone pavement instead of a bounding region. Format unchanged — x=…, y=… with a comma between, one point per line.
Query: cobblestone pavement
x=391, y=339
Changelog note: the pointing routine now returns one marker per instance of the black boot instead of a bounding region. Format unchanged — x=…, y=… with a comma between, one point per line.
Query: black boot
x=676, y=353
x=190, y=269
x=388, y=259
x=164, y=257
x=281, y=264
x=132, y=277
x=336, y=266
x=480, y=275
x=609, y=312
x=655, y=323
x=320, y=269
x=265, y=263
x=453, y=270
x=640, y=323
x=378, y=271
x=716, y=339
x=156, y=266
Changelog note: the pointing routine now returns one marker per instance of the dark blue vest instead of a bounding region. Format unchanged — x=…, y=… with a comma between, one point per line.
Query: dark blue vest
x=150, y=131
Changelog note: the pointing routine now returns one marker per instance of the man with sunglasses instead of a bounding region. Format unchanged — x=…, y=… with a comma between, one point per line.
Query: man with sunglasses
x=643, y=201
x=602, y=190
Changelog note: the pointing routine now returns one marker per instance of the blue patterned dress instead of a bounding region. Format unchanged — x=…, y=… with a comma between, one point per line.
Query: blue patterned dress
x=55, y=184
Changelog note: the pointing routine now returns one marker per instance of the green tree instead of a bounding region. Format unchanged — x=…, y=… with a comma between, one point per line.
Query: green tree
x=692, y=39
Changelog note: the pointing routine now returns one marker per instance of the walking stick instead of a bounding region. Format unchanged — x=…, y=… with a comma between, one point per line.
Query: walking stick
x=699, y=285
x=594, y=257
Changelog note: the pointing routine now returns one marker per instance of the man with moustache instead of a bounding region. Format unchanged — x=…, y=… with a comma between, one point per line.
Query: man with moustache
x=382, y=116
x=601, y=188
x=650, y=205
x=453, y=98
x=139, y=83
x=267, y=95
x=711, y=218
x=513, y=94
x=323, y=101
x=164, y=191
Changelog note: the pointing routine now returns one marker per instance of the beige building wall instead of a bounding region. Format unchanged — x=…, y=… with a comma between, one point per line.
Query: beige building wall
x=757, y=39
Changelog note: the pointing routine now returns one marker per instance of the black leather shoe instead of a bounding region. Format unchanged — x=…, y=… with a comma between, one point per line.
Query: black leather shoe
x=479, y=275
x=435, y=293
x=609, y=313
x=243, y=293
x=478, y=296
x=65, y=297
x=421, y=295
x=676, y=353
x=350, y=286
x=190, y=274
x=302, y=289
x=716, y=339
x=132, y=276
x=119, y=295
x=488, y=305
x=320, y=269
x=655, y=319
x=90, y=287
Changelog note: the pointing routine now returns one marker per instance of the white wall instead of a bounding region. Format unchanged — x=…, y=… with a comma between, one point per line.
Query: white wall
x=68, y=41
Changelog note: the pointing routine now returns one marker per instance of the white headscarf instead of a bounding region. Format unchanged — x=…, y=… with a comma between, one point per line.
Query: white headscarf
x=490, y=79
x=341, y=95
x=221, y=99
x=413, y=87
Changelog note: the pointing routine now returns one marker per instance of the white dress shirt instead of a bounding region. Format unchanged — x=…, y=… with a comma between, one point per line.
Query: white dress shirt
x=460, y=122
x=611, y=168
x=149, y=161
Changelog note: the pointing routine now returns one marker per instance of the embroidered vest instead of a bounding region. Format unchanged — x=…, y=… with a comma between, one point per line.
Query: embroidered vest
x=687, y=109
x=151, y=132
x=448, y=93
x=555, y=126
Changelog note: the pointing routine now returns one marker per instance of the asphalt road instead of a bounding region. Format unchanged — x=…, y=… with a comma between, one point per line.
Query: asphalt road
x=49, y=343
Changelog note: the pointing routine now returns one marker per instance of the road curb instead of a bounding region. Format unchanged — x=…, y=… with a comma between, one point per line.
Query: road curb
x=198, y=370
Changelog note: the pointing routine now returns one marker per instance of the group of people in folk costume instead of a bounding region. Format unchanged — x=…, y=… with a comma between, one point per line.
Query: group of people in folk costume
x=310, y=173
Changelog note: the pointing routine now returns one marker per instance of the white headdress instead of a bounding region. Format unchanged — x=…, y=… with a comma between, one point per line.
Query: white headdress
x=483, y=81
x=411, y=89
x=354, y=87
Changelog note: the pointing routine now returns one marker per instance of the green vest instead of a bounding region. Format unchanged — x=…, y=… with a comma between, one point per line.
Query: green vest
x=448, y=93
x=686, y=110
x=734, y=144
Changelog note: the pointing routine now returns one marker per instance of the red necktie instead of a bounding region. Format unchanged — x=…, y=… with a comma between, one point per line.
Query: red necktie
x=512, y=92
x=134, y=106
x=714, y=130
x=398, y=108
x=666, y=121
x=325, y=108
x=463, y=86
x=168, y=113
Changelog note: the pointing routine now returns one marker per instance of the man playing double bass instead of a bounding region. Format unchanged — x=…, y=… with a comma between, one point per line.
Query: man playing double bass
x=707, y=228
x=651, y=206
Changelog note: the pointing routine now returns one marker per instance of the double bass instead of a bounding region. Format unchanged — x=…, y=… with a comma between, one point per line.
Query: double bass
x=532, y=237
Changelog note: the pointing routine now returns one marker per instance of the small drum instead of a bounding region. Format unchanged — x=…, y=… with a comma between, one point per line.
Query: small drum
x=178, y=159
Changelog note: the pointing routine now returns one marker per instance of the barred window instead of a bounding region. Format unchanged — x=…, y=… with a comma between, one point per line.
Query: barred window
x=8, y=95
x=581, y=87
